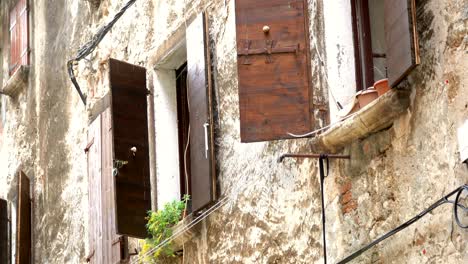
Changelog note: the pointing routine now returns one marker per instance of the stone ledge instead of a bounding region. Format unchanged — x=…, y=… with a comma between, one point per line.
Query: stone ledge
x=187, y=235
x=17, y=82
x=374, y=117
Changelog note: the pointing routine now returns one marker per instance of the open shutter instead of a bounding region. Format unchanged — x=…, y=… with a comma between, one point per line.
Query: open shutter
x=24, y=32
x=130, y=132
x=95, y=231
x=274, y=69
x=14, y=40
x=401, y=38
x=105, y=246
x=23, y=218
x=201, y=121
x=3, y=231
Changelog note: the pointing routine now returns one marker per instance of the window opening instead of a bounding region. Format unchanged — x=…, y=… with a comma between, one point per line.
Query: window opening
x=369, y=41
x=183, y=125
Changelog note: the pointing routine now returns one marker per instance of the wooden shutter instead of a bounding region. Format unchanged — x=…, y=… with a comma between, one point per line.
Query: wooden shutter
x=201, y=121
x=401, y=38
x=14, y=40
x=3, y=231
x=130, y=130
x=23, y=16
x=273, y=68
x=23, y=221
x=104, y=243
x=19, y=36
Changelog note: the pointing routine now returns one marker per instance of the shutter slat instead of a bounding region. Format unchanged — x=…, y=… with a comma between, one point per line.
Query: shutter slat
x=14, y=29
x=130, y=128
x=23, y=218
x=24, y=33
x=199, y=93
x=401, y=38
x=275, y=89
x=3, y=231
x=95, y=194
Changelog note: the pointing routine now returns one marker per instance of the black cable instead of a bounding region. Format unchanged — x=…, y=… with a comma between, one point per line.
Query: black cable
x=323, y=157
x=91, y=45
x=440, y=202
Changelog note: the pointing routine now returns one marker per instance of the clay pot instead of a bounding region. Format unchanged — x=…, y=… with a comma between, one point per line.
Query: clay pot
x=381, y=86
x=365, y=97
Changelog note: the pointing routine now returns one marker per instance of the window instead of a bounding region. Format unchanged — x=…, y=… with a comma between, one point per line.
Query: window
x=19, y=36
x=184, y=121
x=385, y=40
x=273, y=64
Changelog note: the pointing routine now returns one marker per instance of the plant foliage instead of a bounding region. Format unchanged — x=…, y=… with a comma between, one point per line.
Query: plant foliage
x=159, y=227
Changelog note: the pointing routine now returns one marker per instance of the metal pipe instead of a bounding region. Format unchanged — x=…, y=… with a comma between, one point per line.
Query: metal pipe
x=310, y=155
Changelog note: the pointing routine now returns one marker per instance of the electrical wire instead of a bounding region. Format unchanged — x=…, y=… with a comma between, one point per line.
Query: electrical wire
x=91, y=45
x=440, y=202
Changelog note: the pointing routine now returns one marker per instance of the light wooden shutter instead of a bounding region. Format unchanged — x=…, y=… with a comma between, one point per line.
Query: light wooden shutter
x=130, y=130
x=14, y=40
x=104, y=243
x=273, y=68
x=19, y=36
x=401, y=38
x=23, y=16
x=23, y=221
x=4, y=231
x=201, y=121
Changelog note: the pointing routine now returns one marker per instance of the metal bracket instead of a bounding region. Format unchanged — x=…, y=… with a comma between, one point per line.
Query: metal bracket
x=118, y=164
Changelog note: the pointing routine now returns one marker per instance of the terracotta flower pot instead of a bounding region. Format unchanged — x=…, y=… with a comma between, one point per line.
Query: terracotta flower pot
x=365, y=97
x=381, y=86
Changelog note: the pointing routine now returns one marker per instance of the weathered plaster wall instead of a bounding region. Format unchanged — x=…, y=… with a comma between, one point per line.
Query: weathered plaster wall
x=274, y=213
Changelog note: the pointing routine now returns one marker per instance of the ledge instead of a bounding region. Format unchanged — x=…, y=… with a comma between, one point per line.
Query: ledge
x=186, y=235
x=374, y=117
x=17, y=82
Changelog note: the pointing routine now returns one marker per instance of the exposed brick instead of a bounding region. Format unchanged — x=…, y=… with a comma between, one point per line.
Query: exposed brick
x=346, y=198
x=345, y=187
x=349, y=207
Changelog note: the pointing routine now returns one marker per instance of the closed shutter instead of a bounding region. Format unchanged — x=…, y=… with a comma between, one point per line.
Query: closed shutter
x=130, y=131
x=401, y=39
x=201, y=121
x=14, y=41
x=105, y=245
x=273, y=68
x=19, y=36
x=23, y=221
x=24, y=32
x=3, y=231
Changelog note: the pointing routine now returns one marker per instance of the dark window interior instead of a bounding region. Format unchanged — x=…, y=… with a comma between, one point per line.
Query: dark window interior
x=369, y=41
x=183, y=121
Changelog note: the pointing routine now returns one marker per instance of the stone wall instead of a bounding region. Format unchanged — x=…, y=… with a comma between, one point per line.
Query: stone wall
x=273, y=215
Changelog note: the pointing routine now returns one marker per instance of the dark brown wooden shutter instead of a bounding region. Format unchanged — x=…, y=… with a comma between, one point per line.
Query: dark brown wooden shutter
x=401, y=38
x=130, y=130
x=4, y=231
x=201, y=121
x=274, y=69
x=104, y=243
x=23, y=221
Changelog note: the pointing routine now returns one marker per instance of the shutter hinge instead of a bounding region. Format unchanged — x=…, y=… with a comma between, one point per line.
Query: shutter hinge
x=90, y=256
x=88, y=147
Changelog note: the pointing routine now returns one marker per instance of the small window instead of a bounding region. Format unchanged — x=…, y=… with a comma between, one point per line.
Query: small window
x=385, y=40
x=19, y=36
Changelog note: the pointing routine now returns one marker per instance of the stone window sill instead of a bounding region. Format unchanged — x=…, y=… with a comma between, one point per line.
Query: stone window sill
x=372, y=118
x=17, y=82
x=184, y=236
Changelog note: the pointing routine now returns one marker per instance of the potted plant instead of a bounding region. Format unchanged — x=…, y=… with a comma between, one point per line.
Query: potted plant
x=159, y=226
